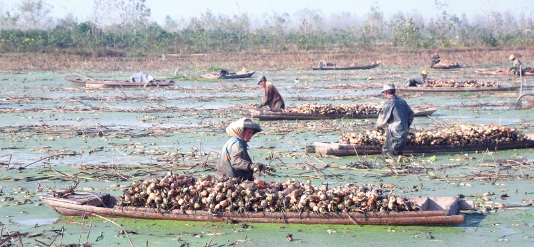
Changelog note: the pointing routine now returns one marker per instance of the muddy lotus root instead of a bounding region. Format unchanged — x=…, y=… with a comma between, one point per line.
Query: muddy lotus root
x=458, y=134
x=229, y=195
x=328, y=109
x=461, y=83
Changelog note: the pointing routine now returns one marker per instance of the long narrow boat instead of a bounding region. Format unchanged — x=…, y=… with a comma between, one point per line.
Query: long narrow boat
x=237, y=75
x=446, y=65
x=337, y=149
x=457, y=89
x=108, y=84
x=433, y=211
x=503, y=72
x=266, y=115
x=119, y=83
x=350, y=67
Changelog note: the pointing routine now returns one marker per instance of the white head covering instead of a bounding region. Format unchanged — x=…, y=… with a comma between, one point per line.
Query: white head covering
x=237, y=128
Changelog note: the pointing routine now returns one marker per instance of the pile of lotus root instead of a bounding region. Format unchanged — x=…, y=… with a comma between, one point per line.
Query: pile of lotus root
x=457, y=134
x=231, y=195
x=328, y=109
x=464, y=83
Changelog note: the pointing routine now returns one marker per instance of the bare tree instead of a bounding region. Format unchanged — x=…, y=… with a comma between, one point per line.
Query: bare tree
x=7, y=19
x=34, y=14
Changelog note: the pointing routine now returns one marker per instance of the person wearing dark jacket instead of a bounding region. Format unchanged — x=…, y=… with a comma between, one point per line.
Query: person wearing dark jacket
x=272, y=97
x=418, y=79
x=395, y=117
x=435, y=59
x=235, y=160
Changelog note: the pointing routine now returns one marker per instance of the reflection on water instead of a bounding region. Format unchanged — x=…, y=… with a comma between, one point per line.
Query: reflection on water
x=33, y=222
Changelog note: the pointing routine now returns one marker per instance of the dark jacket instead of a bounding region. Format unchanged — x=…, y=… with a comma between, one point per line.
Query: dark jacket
x=272, y=98
x=415, y=80
x=235, y=161
x=435, y=60
x=395, y=117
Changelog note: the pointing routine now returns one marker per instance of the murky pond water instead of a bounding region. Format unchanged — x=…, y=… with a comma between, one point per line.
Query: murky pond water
x=52, y=129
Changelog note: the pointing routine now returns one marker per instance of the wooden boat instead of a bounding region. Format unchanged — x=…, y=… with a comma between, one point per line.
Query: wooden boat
x=504, y=72
x=266, y=115
x=350, y=67
x=434, y=211
x=108, y=84
x=119, y=83
x=337, y=149
x=76, y=80
x=233, y=75
x=457, y=89
x=446, y=65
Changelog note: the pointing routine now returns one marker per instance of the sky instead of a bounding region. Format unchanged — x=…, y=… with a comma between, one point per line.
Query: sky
x=185, y=9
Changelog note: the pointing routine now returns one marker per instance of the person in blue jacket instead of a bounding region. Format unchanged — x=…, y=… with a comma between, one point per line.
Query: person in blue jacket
x=235, y=160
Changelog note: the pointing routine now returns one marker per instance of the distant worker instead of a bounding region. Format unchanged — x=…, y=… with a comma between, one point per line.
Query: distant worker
x=417, y=79
x=222, y=72
x=324, y=63
x=435, y=59
x=272, y=97
x=142, y=77
x=395, y=117
x=516, y=65
x=235, y=160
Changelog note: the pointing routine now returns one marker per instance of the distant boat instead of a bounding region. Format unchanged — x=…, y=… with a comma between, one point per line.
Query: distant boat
x=102, y=83
x=504, y=72
x=231, y=75
x=457, y=89
x=350, y=67
x=446, y=65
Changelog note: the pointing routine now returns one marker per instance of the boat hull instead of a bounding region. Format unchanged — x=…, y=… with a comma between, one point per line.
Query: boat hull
x=337, y=149
x=370, y=66
x=229, y=76
x=434, y=211
x=456, y=89
x=265, y=115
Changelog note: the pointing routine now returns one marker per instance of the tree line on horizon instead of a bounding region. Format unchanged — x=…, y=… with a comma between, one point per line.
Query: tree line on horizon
x=117, y=32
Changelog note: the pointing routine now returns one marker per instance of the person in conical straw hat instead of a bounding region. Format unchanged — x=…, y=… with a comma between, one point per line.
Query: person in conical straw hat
x=395, y=117
x=235, y=160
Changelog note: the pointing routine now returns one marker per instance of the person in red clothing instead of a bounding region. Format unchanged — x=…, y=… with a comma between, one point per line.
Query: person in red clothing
x=435, y=59
x=272, y=97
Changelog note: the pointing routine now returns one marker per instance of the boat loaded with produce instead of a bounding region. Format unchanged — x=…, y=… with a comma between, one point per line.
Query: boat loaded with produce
x=458, y=86
x=181, y=197
x=328, y=111
x=451, y=138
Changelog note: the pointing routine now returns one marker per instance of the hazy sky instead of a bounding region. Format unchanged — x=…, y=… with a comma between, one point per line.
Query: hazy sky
x=178, y=9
